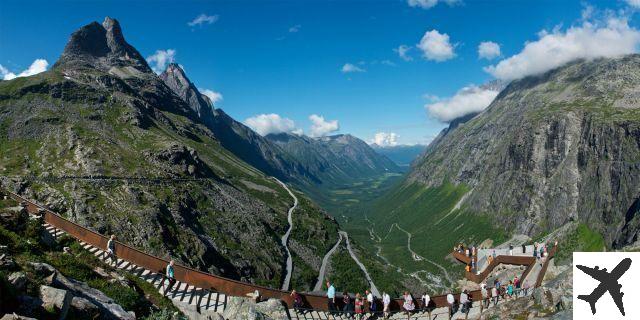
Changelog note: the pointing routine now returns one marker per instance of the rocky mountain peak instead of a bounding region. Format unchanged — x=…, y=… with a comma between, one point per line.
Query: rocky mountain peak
x=101, y=46
x=176, y=79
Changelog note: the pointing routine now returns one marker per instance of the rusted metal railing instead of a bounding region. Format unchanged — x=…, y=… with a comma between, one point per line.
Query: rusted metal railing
x=216, y=283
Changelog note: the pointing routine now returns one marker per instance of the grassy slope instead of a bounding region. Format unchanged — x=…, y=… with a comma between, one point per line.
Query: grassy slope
x=121, y=148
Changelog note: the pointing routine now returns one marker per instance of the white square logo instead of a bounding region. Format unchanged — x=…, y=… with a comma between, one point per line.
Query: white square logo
x=606, y=285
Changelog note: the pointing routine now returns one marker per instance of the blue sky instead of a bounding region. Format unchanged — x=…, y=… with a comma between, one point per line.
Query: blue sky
x=287, y=57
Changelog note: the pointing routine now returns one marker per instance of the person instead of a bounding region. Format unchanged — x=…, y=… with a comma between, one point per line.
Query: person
x=516, y=282
x=524, y=248
x=494, y=253
x=111, y=250
x=371, y=302
x=473, y=250
x=464, y=301
x=490, y=259
x=510, y=249
x=297, y=300
x=359, y=306
x=386, y=302
x=346, y=300
x=408, y=305
x=535, y=250
x=170, y=275
x=485, y=295
x=473, y=265
x=426, y=301
x=451, y=301
x=494, y=295
x=510, y=289
x=331, y=298
x=468, y=268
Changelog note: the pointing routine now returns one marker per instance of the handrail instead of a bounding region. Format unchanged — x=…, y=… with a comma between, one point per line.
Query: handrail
x=194, y=277
x=551, y=254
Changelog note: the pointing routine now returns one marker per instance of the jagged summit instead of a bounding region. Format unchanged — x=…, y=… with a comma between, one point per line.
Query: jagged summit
x=176, y=79
x=102, y=46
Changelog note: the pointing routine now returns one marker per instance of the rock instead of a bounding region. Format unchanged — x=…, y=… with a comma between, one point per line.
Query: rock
x=272, y=308
x=15, y=317
x=241, y=308
x=66, y=250
x=18, y=280
x=55, y=300
x=28, y=305
x=82, y=308
x=42, y=268
x=108, y=307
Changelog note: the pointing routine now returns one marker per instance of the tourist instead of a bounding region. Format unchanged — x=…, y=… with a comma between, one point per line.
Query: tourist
x=473, y=250
x=111, y=250
x=494, y=295
x=346, y=300
x=297, y=300
x=408, y=305
x=468, y=267
x=331, y=297
x=490, y=259
x=426, y=301
x=464, y=301
x=494, y=253
x=524, y=248
x=516, y=282
x=535, y=250
x=451, y=301
x=510, y=249
x=371, y=302
x=510, y=289
x=359, y=306
x=485, y=295
x=386, y=302
x=170, y=275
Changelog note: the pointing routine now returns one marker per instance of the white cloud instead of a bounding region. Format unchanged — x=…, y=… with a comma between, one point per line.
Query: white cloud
x=203, y=19
x=436, y=46
x=385, y=139
x=37, y=66
x=265, y=124
x=159, y=60
x=295, y=28
x=349, y=68
x=633, y=3
x=388, y=63
x=467, y=100
x=213, y=95
x=587, y=41
x=403, y=51
x=428, y=4
x=488, y=50
x=321, y=127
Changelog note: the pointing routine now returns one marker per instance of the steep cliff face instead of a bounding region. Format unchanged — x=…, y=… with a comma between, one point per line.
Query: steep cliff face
x=103, y=140
x=175, y=78
x=550, y=149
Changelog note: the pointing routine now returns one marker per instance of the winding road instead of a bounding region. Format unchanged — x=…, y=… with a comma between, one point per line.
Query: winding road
x=285, y=237
x=374, y=289
x=325, y=261
x=417, y=257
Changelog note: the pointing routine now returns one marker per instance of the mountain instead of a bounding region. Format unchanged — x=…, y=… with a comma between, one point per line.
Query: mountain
x=557, y=151
x=402, y=155
x=334, y=160
x=106, y=142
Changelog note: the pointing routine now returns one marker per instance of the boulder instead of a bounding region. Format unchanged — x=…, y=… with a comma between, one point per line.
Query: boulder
x=108, y=307
x=272, y=308
x=42, y=269
x=18, y=280
x=15, y=317
x=55, y=300
x=82, y=308
x=242, y=308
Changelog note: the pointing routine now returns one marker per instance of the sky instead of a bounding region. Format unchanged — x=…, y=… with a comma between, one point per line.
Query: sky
x=391, y=72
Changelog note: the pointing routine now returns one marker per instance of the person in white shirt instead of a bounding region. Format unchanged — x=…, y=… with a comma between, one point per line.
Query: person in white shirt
x=370, y=301
x=451, y=301
x=386, y=301
x=485, y=295
x=464, y=301
x=426, y=301
x=111, y=250
x=494, y=295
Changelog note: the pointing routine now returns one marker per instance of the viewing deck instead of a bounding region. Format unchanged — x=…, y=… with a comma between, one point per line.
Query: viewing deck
x=206, y=291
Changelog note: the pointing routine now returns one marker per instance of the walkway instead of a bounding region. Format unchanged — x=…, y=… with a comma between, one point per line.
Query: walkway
x=203, y=290
x=285, y=237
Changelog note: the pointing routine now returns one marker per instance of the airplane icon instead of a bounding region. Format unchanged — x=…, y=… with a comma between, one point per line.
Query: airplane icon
x=608, y=282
